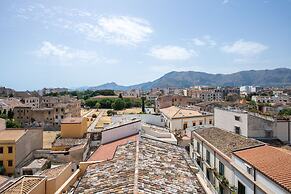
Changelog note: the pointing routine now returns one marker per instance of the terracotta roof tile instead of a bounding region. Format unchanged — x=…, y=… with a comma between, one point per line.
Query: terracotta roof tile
x=273, y=162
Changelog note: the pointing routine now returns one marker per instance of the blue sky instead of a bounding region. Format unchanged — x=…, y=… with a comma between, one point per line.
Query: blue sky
x=61, y=43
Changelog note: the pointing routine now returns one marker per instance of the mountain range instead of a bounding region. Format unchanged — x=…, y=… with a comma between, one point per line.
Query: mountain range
x=184, y=79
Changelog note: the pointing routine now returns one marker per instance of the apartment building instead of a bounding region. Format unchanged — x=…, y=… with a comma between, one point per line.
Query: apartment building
x=206, y=95
x=265, y=167
x=16, y=145
x=231, y=163
x=252, y=125
x=280, y=99
x=32, y=101
x=7, y=104
x=50, y=113
x=177, y=119
x=174, y=100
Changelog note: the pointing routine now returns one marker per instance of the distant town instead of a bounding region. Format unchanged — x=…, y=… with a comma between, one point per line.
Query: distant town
x=199, y=139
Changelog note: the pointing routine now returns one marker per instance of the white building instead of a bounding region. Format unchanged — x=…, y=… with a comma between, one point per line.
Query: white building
x=282, y=99
x=211, y=148
x=232, y=163
x=32, y=102
x=247, y=89
x=263, y=169
x=252, y=125
x=178, y=119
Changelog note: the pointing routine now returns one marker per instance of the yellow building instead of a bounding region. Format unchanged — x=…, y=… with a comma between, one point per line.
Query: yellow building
x=73, y=127
x=15, y=145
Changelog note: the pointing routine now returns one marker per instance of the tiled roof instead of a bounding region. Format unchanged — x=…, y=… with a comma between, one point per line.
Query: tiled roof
x=106, y=151
x=177, y=112
x=225, y=141
x=53, y=172
x=144, y=166
x=3, y=179
x=24, y=185
x=70, y=142
x=11, y=135
x=273, y=162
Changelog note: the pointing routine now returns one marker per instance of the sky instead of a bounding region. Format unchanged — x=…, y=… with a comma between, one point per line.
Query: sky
x=73, y=43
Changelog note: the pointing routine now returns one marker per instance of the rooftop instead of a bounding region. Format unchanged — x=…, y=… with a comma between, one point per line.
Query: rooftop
x=107, y=151
x=131, y=170
x=11, y=136
x=53, y=172
x=24, y=185
x=37, y=163
x=177, y=112
x=72, y=120
x=70, y=142
x=225, y=141
x=273, y=162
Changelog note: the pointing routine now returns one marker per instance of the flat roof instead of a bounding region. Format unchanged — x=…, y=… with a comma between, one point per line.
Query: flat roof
x=225, y=141
x=11, y=136
x=72, y=120
x=273, y=162
x=53, y=172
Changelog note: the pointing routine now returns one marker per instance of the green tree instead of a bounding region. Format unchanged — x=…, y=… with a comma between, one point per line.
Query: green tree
x=143, y=104
x=97, y=105
x=118, y=104
x=10, y=114
x=285, y=112
x=11, y=123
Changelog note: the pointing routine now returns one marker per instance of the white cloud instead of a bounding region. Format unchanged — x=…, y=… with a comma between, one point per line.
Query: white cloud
x=204, y=41
x=246, y=48
x=125, y=30
x=122, y=30
x=225, y=1
x=171, y=53
x=65, y=53
x=69, y=55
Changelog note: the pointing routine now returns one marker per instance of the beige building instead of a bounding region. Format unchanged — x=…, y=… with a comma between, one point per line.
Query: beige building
x=16, y=145
x=51, y=112
x=174, y=100
x=2, y=124
x=178, y=119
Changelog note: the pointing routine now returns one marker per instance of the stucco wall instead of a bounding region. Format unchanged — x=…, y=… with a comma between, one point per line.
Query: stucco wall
x=120, y=132
x=281, y=131
x=225, y=120
x=30, y=141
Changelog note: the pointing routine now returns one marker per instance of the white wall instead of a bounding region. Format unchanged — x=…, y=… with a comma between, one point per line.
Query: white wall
x=225, y=120
x=120, y=132
x=153, y=119
x=281, y=131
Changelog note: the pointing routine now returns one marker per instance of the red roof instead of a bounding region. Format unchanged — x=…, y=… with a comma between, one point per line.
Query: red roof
x=106, y=151
x=275, y=163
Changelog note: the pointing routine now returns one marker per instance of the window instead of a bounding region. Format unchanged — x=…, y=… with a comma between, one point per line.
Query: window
x=200, y=122
x=221, y=190
x=241, y=189
x=221, y=168
x=237, y=130
x=1, y=150
x=237, y=118
x=1, y=163
x=208, y=157
x=10, y=163
x=210, y=122
x=10, y=149
x=194, y=124
x=198, y=147
x=185, y=126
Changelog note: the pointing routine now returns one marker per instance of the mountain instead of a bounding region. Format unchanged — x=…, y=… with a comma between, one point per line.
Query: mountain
x=108, y=86
x=275, y=77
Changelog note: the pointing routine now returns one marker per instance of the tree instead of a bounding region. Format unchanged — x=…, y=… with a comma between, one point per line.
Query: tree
x=285, y=112
x=143, y=104
x=11, y=123
x=120, y=95
x=4, y=112
x=10, y=114
x=97, y=105
x=118, y=104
